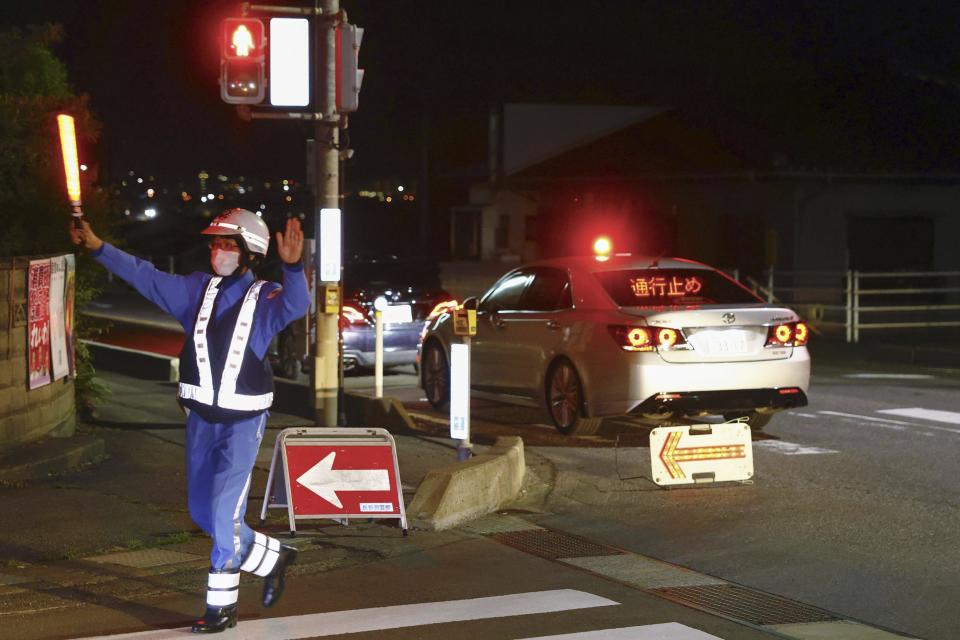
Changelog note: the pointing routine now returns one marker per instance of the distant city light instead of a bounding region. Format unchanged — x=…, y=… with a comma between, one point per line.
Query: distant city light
x=139, y=180
x=83, y=167
x=289, y=198
x=203, y=198
x=259, y=213
x=285, y=187
x=400, y=188
x=150, y=213
x=150, y=193
x=209, y=196
x=285, y=182
x=241, y=190
x=389, y=198
x=263, y=207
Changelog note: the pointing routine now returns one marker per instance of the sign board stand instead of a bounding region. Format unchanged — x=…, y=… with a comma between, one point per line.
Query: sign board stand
x=701, y=454
x=335, y=473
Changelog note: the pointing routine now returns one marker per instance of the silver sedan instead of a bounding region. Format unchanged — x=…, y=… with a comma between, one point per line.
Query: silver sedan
x=586, y=338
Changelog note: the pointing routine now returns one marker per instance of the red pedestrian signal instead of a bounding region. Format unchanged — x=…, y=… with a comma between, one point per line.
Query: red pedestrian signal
x=242, y=61
x=243, y=39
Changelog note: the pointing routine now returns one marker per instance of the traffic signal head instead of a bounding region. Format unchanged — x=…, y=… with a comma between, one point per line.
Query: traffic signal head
x=242, y=60
x=349, y=75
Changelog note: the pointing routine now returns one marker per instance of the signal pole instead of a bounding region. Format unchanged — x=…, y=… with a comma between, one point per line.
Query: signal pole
x=326, y=359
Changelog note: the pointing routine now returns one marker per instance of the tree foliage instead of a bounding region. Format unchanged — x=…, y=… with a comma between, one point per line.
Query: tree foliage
x=33, y=201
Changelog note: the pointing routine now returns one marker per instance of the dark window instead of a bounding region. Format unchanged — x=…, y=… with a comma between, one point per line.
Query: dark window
x=505, y=295
x=502, y=239
x=549, y=291
x=465, y=236
x=641, y=287
x=530, y=229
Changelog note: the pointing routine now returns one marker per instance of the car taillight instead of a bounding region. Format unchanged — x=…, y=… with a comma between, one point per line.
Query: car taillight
x=791, y=334
x=447, y=306
x=351, y=316
x=647, y=338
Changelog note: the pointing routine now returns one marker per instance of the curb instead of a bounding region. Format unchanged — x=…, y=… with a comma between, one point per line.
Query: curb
x=462, y=491
x=49, y=456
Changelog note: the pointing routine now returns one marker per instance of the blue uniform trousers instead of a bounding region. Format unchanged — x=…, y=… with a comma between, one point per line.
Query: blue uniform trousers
x=220, y=459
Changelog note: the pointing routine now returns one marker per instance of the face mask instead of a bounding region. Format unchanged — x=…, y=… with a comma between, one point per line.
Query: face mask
x=224, y=263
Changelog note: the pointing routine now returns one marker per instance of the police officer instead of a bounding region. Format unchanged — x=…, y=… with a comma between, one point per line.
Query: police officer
x=226, y=386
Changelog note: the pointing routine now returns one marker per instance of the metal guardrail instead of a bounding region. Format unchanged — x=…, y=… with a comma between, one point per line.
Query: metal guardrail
x=855, y=301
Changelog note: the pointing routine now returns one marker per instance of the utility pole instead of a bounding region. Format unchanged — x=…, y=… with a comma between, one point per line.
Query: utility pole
x=313, y=46
x=327, y=196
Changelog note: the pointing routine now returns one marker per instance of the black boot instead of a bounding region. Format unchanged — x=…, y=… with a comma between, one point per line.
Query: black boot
x=273, y=583
x=216, y=619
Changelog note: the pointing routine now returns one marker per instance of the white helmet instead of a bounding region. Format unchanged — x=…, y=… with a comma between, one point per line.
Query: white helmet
x=246, y=224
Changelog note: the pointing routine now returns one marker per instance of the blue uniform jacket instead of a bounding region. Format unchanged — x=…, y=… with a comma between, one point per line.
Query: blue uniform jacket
x=180, y=295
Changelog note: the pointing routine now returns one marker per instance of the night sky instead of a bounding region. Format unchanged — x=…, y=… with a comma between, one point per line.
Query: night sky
x=150, y=67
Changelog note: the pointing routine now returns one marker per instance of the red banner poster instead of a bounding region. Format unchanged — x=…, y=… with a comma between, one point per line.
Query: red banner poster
x=38, y=326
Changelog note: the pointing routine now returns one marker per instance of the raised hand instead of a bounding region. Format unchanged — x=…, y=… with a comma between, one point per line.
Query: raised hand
x=84, y=235
x=290, y=242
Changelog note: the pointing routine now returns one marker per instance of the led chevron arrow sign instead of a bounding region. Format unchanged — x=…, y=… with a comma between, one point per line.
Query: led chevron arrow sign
x=711, y=453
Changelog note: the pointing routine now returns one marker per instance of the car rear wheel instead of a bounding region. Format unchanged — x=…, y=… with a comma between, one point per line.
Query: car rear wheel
x=755, y=419
x=565, y=401
x=436, y=376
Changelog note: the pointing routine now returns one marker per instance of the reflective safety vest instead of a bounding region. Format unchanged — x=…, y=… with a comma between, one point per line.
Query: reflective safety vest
x=220, y=377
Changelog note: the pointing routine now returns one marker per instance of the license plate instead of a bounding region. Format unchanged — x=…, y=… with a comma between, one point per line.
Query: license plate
x=729, y=342
x=397, y=313
x=725, y=346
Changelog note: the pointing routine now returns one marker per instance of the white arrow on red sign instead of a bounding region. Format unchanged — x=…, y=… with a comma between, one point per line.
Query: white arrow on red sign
x=325, y=481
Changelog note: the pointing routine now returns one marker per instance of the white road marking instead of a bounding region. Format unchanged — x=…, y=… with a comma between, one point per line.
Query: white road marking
x=316, y=625
x=889, y=376
x=950, y=417
x=805, y=415
x=885, y=423
x=664, y=631
x=895, y=425
x=790, y=448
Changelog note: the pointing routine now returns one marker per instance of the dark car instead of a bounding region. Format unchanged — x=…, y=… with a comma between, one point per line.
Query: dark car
x=411, y=294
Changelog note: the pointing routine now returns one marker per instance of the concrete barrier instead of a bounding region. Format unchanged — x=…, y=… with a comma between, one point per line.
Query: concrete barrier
x=462, y=491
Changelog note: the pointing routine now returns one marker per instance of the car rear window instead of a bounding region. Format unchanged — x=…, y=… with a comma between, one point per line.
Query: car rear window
x=641, y=287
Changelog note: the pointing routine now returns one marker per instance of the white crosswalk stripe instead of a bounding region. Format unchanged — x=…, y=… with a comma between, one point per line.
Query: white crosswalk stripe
x=317, y=625
x=665, y=631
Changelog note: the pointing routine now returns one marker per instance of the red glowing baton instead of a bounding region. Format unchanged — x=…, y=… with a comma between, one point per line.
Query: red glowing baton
x=71, y=166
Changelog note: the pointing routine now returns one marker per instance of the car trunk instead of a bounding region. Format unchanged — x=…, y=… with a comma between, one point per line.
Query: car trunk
x=720, y=334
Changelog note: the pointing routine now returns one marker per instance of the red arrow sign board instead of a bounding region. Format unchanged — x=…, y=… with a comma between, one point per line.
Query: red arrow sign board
x=342, y=480
x=702, y=453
